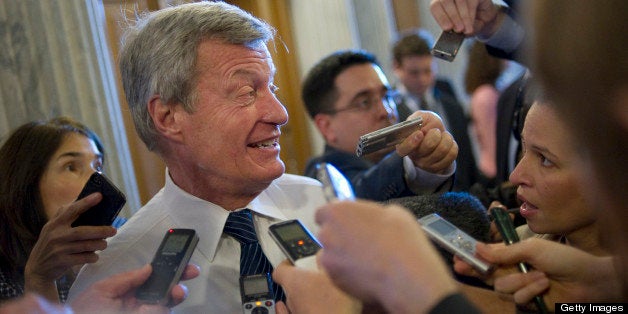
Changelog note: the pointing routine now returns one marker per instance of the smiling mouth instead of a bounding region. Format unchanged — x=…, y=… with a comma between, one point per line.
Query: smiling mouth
x=265, y=144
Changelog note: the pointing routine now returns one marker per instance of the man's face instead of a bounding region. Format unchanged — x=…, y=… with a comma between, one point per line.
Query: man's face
x=231, y=139
x=416, y=73
x=362, y=106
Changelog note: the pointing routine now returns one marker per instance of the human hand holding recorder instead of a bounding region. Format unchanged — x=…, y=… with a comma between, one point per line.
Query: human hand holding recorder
x=431, y=147
x=117, y=293
x=111, y=295
x=479, y=18
x=397, y=282
x=560, y=272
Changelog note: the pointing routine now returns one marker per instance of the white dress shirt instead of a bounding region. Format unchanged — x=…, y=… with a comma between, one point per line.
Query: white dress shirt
x=216, y=289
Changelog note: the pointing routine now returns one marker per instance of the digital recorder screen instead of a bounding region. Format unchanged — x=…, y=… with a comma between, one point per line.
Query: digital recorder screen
x=175, y=243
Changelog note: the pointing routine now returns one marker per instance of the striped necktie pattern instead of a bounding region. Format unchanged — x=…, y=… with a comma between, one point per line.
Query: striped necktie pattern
x=240, y=226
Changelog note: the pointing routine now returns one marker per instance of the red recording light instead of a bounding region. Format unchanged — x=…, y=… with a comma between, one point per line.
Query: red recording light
x=171, y=230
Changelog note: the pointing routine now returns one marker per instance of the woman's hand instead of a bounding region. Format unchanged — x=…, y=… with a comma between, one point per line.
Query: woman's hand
x=60, y=246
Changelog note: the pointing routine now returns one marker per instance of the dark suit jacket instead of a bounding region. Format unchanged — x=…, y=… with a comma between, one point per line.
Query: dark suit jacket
x=508, y=105
x=378, y=182
x=512, y=11
x=466, y=169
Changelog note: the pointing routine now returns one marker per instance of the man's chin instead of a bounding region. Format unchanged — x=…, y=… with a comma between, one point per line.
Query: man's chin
x=274, y=170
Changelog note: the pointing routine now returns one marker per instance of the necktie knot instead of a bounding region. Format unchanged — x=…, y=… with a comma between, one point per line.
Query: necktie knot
x=423, y=104
x=240, y=226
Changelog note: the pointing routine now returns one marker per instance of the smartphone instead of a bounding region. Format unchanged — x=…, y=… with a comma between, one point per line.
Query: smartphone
x=103, y=213
x=296, y=242
x=169, y=262
x=454, y=240
x=335, y=184
x=257, y=296
x=386, y=137
x=507, y=230
x=448, y=45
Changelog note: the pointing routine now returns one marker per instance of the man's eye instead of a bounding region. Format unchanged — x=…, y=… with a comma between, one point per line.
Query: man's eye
x=246, y=96
x=363, y=103
x=273, y=88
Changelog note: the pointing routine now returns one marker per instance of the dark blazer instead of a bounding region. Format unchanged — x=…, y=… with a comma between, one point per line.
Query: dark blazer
x=512, y=11
x=466, y=169
x=379, y=182
x=508, y=106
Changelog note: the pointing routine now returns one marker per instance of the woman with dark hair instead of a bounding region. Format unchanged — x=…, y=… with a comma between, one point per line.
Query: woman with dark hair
x=44, y=166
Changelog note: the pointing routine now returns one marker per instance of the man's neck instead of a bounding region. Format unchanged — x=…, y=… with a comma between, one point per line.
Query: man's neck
x=224, y=193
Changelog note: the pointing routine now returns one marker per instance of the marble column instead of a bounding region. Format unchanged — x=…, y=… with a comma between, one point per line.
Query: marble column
x=376, y=27
x=320, y=28
x=55, y=61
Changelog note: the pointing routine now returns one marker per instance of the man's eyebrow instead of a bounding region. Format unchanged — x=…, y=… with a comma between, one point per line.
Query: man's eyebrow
x=362, y=93
x=366, y=92
x=253, y=76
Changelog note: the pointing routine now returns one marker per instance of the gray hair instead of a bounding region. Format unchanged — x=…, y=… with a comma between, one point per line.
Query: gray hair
x=159, y=52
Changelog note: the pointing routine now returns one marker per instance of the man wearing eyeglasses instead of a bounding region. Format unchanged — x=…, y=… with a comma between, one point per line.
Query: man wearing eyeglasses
x=347, y=95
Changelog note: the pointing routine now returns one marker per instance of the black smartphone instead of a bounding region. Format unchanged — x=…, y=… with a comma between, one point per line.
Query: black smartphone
x=296, y=242
x=169, y=262
x=103, y=213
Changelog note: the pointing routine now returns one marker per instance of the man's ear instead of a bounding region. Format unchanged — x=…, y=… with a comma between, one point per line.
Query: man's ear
x=163, y=116
x=323, y=122
x=396, y=67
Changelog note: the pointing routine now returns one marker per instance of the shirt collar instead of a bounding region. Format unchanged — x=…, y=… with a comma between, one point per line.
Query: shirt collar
x=207, y=218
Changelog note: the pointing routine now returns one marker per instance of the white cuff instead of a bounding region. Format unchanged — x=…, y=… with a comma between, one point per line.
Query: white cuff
x=420, y=181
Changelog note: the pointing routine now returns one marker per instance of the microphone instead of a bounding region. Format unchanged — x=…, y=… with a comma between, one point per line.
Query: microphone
x=462, y=209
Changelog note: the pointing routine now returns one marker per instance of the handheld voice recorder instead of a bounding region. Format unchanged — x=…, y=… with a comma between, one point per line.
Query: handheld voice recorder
x=453, y=239
x=296, y=242
x=105, y=212
x=169, y=262
x=509, y=235
x=257, y=295
x=387, y=137
x=448, y=45
x=335, y=185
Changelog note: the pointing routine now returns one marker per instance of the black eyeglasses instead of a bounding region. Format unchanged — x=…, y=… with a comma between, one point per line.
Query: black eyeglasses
x=368, y=102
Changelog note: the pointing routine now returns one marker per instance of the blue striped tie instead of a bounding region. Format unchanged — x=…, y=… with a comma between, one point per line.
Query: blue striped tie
x=252, y=259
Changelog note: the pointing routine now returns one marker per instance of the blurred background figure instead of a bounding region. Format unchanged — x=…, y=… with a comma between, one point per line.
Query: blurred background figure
x=480, y=79
x=419, y=88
